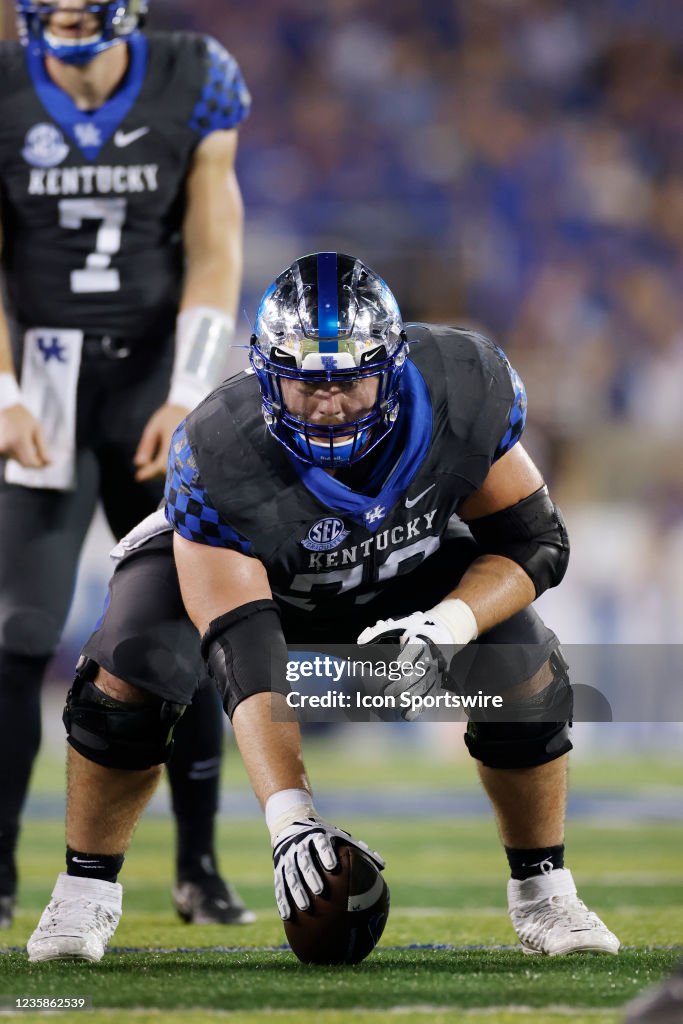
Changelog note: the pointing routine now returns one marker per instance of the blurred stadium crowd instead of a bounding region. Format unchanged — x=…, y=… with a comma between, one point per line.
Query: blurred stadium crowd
x=516, y=165
x=513, y=163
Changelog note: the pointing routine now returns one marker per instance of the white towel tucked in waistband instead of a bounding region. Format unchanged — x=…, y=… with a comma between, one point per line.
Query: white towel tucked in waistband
x=49, y=385
x=152, y=526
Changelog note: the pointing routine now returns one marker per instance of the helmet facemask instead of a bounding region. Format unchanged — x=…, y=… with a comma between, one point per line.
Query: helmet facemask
x=117, y=21
x=329, y=320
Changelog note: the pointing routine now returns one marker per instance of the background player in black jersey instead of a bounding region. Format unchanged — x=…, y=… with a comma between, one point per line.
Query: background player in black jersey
x=120, y=210
x=334, y=521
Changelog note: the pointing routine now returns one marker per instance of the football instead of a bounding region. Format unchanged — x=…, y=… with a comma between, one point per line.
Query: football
x=344, y=923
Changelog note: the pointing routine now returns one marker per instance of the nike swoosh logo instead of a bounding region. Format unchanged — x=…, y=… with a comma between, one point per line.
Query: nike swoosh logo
x=122, y=139
x=87, y=863
x=413, y=501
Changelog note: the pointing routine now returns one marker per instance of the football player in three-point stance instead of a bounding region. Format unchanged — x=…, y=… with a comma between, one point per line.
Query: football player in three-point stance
x=331, y=522
x=122, y=223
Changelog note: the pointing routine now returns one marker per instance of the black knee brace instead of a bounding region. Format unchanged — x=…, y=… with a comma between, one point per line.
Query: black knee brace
x=528, y=737
x=115, y=733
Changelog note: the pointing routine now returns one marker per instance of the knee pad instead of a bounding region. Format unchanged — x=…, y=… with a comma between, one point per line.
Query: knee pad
x=115, y=733
x=530, y=737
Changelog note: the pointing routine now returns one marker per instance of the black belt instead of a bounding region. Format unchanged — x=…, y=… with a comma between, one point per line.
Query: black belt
x=106, y=345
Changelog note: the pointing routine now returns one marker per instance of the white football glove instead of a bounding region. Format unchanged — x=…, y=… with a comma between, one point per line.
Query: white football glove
x=409, y=631
x=427, y=643
x=297, y=850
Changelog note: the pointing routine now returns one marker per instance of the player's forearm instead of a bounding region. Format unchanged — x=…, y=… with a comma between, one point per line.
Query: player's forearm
x=213, y=252
x=214, y=280
x=213, y=228
x=270, y=749
x=205, y=327
x=494, y=588
x=206, y=321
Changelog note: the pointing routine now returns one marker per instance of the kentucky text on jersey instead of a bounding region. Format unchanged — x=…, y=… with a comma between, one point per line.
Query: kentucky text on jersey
x=100, y=180
x=380, y=542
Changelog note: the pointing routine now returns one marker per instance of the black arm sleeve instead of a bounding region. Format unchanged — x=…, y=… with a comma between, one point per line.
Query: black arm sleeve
x=246, y=653
x=531, y=533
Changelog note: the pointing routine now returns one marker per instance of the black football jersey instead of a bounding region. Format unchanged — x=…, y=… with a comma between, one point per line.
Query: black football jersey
x=230, y=484
x=92, y=202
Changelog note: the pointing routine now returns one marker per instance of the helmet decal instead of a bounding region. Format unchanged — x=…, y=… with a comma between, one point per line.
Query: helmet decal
x=328, y=302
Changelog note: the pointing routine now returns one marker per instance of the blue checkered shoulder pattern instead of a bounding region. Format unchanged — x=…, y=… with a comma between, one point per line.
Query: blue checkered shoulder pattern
x=225, y=99
x=517, y=414
x=189, y=509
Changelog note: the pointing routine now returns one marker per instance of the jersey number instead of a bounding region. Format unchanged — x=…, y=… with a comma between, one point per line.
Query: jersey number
x=97, y=275
x=348, y=579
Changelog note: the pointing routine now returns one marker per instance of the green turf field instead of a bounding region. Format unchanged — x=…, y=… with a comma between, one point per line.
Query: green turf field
x=448, y=896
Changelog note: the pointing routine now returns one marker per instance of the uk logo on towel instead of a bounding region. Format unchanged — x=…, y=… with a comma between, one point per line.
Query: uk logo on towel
x=50, y=348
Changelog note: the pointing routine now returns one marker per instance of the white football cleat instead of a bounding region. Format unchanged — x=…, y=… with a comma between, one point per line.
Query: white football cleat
x=78, y=922
x=550, y=919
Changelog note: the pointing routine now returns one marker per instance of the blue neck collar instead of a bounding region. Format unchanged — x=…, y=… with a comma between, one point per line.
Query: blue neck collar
x=411, y=436
x=91, y=129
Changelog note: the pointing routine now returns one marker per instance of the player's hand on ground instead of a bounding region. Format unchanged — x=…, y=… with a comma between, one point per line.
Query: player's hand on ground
x=151, y=456
x=22, y=438
x=299, y=851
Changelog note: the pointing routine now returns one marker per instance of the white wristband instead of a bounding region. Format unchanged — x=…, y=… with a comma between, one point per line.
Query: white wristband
x=458, y=618
x=285, y=807
x=9, y=391
x=203, y=339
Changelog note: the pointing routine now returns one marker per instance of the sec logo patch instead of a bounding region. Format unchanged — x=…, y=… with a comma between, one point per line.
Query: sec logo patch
x=44, y=146
x=325, y=535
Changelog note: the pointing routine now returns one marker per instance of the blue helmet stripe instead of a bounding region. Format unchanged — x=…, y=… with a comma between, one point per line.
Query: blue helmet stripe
x=328, y=301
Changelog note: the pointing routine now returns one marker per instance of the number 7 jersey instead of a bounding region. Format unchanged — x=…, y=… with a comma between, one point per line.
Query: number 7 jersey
x=93, y=202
